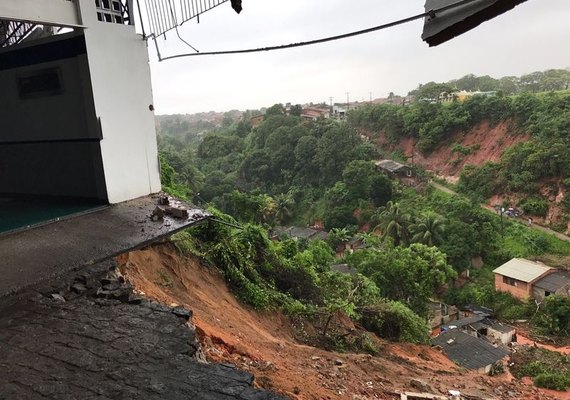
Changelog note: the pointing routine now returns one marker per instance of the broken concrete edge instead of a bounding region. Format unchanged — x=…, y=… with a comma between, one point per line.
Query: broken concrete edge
x=205, y=217
x=103, y=286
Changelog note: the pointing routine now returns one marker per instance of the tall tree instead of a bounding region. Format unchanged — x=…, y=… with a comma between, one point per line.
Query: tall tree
x=428, y=229
x=394, y=223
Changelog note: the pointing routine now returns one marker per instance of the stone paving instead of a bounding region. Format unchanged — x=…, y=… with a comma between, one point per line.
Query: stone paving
x=91, y=343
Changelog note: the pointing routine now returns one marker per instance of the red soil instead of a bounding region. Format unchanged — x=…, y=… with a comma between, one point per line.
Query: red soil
x=492, y=142
x=265, y=345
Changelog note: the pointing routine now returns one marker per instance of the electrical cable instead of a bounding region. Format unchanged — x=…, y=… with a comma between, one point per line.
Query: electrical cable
x=176, y=28
x=431, y=13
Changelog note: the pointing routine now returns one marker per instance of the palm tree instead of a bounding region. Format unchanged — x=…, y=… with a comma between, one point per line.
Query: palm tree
x=393, y=223
x=428, y=229
x=283, y=203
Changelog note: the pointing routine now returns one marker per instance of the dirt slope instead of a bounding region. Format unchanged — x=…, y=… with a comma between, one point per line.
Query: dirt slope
x=264, y=343
x=486, y=143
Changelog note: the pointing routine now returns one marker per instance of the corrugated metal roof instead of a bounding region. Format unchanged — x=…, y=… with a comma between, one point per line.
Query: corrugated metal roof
x=465, y=321
x=389, y=165
x=553, y=281
x=469, y=351
x=522, y=269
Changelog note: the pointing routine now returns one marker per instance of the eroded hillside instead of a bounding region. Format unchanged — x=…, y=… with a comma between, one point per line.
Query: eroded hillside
x=267, y=344
x=476, y=146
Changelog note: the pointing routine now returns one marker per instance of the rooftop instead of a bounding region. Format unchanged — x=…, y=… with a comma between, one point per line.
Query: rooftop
x=522, y=269
x=466, y=321
x=389, y=165
x=553, y=281
x=468, y=351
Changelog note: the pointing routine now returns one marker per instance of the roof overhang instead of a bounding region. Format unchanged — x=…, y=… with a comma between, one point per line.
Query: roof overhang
x=445, y=25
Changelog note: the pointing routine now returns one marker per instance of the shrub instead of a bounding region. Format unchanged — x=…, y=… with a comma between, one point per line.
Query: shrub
x=553, y=380
x=534, y=206
x=458, y=148
x=393, y=320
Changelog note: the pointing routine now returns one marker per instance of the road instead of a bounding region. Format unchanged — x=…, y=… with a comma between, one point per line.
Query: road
x=487, y=207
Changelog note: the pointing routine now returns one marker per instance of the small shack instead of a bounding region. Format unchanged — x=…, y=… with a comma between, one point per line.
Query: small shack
x=394, y=168
x=557, y=282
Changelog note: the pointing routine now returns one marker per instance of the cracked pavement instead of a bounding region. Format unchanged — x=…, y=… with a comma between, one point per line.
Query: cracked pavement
x=100, y=348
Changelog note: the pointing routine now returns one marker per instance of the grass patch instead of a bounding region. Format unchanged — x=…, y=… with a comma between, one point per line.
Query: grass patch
x=549, y=369
x=164, y=279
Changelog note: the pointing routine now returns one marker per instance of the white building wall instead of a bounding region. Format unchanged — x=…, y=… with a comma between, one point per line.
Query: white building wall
x=120, y=76
x=57, y=12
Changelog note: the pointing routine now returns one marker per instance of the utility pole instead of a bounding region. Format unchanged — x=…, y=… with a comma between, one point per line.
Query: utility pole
x=370, y=93
x=347, y=101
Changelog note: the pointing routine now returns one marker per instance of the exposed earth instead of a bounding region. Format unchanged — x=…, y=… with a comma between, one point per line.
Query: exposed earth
x=127, y=332
x=267, y=345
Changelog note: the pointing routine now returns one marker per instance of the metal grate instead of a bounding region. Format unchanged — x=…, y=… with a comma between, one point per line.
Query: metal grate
x=114, y=11
x=164, y=15
x=13, y=32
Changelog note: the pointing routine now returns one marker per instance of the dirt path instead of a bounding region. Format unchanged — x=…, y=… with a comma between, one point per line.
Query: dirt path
x=524, y=340
x=489, y=208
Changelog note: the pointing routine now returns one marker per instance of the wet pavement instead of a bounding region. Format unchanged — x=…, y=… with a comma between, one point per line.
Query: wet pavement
x=30, y=256
x=92, y=338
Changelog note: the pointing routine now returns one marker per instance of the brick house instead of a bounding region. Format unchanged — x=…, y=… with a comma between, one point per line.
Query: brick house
x=518, y=276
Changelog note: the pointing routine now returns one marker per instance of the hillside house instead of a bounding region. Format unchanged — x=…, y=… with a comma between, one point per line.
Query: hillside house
x=440, y=314
x=556, y=282
x=480, y=326
x=394, y=168
x=339, y=111
x=315, y=113
x=78, y=137
x=300, y=233
x=518, y=276
x=469, y=351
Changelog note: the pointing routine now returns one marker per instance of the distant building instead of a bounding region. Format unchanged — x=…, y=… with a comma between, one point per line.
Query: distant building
x=338, y=112
x=315, y=113
x=295, y=232
x=394, y=168
x=519, y=275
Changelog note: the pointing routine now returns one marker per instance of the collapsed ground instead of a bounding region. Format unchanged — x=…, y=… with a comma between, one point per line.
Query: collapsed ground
x=268, y=345
x=89, y=337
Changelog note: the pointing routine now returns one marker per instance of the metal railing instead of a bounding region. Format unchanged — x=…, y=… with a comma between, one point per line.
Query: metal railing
x=164, y=15
x=13, y=32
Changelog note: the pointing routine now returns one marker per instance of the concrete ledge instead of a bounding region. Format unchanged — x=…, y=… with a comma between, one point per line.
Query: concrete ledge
x=44, y=252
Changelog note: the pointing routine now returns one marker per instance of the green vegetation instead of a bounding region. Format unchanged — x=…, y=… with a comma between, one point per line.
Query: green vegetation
x=549, y=369
x=418, y=241
x=296, y=278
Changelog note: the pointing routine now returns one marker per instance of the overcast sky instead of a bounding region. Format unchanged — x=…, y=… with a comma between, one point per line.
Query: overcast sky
x=534, y=36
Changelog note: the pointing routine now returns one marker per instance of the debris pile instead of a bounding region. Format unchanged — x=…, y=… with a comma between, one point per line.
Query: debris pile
x=169, y=206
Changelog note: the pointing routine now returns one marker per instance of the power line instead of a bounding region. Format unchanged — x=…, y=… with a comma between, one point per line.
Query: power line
x=431, y=13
